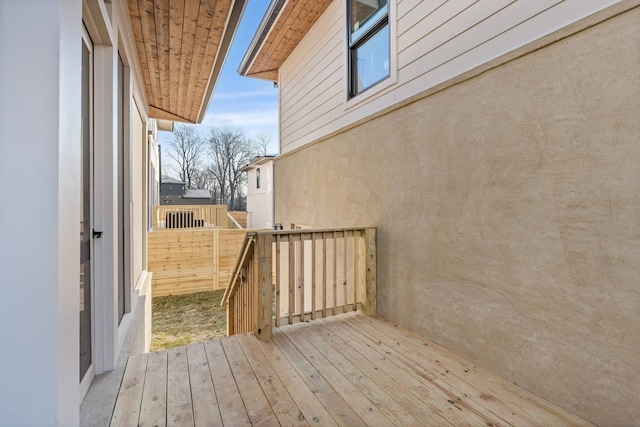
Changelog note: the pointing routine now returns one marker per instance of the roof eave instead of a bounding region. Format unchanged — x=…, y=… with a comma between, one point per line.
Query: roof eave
x=233, y=22
x=270, y=17
x=283, y=26
x=257, y=161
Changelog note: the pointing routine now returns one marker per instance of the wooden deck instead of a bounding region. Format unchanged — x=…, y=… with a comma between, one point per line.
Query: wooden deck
x=347, y=370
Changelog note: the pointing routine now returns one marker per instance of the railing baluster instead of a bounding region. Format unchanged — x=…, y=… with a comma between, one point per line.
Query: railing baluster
x=356, y=269
x=292, y=278
x=344, y=270
x=277, y=281
x=324, y=275
x=313, y=276
x=245, y=306
x=335, y=274
x=231, y=321
x=301, y=277
x=245, y=292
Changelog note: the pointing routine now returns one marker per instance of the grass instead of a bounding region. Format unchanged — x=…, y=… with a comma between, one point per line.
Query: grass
x=184, y=319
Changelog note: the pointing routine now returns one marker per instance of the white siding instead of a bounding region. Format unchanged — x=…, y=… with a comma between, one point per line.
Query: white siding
x=260, y=200
x=433, y=42
x=40, y=165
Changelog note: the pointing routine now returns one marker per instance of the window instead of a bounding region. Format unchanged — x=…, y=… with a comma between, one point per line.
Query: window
x=369, y=44
x=258, y=178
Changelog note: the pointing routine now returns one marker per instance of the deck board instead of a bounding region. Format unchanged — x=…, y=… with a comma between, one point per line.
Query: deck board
x=205, y=402
x=304, y=397
x=253, y=396
x=153, y=412
x=346, y=370
x=354, y=381
x=179, y=403
x=281, y=402
x=232, y=409
x=363, y=406
x=127, y=409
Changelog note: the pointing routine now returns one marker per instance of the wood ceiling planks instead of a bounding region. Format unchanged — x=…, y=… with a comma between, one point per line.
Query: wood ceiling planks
x=178, y=44
x=292, y=24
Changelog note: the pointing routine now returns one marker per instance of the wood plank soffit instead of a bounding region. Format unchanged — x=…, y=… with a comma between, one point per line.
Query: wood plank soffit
x=284, y=25
x=181, y=46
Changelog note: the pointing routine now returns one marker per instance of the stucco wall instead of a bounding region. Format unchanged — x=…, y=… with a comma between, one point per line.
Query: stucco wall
x=508, y=215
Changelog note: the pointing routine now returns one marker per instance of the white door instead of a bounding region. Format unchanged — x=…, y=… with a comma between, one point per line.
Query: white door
x=86, y=219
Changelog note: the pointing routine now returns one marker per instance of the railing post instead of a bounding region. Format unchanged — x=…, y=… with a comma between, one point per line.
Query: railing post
x=264, y=318
x=369, y=298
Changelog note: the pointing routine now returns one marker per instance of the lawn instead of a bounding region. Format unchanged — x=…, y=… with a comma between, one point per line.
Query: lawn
x=183, y=319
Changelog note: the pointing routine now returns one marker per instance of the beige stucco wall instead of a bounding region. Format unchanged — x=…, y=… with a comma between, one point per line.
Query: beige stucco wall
x=508, y=215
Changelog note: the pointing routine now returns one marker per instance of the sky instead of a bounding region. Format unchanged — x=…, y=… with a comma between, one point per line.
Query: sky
x=244, y=102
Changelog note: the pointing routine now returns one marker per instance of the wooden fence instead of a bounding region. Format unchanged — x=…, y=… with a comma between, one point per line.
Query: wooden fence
x=283, y=277
x=239, y=217
x=193, y=259
x=190, y=216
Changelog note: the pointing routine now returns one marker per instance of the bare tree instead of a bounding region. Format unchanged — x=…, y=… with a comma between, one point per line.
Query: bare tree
x=203, y=178
x=230, y=151
x=187, y=149
x=262, y=141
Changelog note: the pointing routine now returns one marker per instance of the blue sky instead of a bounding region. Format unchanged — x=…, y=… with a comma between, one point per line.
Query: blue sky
x=243, y=102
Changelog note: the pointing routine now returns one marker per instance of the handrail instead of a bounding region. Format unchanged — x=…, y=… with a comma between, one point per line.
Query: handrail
x=321, y=272
x=247, y=245
x=311, y=230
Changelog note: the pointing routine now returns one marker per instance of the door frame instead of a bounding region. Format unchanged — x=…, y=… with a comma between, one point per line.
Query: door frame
x=88, y=377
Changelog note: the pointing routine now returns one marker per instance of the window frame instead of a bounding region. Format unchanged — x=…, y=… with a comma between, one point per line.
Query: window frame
x=257, y=178
x=356, y=39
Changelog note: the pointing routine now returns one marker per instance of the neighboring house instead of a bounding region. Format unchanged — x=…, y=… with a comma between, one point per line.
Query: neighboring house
x=82, y=85
x=173, y=192
x=495, y=145
x=260, y=192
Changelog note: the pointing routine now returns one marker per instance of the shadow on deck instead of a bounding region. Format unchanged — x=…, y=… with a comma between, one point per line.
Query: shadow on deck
x=349, y=370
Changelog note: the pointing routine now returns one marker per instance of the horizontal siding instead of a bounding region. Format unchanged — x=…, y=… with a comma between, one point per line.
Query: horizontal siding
x=319, y=101
x=424, y=20
x=435, y=41
x=312, y=80
x=458, y=38
x=314, y=53
x=324, y=78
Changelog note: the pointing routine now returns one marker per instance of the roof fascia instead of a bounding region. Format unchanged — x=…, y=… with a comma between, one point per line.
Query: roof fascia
x=268, y=20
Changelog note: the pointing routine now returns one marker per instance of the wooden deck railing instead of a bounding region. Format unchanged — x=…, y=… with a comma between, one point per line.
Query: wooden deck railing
x=190, y=216
x=283, y=277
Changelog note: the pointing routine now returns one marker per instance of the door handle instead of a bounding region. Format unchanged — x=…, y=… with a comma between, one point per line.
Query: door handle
x=97, y=234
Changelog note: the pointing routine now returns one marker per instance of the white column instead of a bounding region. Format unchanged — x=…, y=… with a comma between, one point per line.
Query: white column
x=40, y=122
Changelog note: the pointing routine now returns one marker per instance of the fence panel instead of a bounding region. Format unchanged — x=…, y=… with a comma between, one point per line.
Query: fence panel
x=192, y=260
